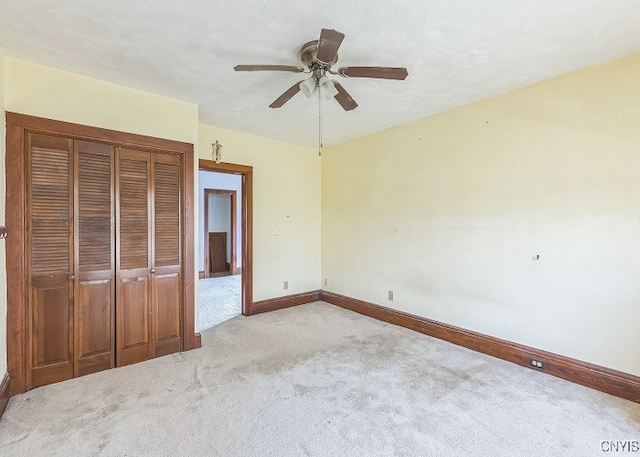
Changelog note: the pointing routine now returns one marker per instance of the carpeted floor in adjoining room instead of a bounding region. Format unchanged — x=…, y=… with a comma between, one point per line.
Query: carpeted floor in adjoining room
x=316, y=380
x=219, y=299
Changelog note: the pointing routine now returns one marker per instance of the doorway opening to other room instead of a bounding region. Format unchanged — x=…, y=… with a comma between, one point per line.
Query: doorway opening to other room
x=223, y=244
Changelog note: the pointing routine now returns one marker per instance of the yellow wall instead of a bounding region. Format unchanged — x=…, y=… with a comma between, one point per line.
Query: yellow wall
x=286, y=209
x=3, y=270
x=47, y=92
x=449, y=212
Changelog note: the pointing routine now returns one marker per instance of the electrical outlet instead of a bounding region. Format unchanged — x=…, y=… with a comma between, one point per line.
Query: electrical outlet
x=285, y=285
x=391, y=295
x=326, y=282
x=536, y=364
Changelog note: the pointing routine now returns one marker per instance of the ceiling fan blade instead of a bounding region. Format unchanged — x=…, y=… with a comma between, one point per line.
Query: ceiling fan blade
x=344, y=98
x=328, y=44
x=284, y=98
x=291, y=68
x=374, y=72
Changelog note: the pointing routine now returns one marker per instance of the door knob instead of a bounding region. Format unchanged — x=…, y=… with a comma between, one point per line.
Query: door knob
x=153, y=270
x=71, y=277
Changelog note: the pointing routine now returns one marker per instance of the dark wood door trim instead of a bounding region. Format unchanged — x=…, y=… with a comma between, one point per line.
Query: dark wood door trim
x=18, y=125
x=4, y=393
x=247, y=224
x=16, y=258
x=232, y=233
x=79, y=131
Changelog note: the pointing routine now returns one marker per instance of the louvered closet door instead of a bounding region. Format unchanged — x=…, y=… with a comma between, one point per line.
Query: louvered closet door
x=133, y=256
x=165, y=279
x=50, y=254
x=94, y=347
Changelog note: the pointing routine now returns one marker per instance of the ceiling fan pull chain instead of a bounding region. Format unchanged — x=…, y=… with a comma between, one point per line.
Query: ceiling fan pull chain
x=320, y=145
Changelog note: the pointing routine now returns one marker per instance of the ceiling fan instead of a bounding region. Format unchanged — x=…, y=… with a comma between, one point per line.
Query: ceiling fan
x=318, y=56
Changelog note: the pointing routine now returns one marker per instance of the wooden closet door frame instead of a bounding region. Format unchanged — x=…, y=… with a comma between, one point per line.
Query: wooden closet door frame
x=18, y=126
x=246, y=172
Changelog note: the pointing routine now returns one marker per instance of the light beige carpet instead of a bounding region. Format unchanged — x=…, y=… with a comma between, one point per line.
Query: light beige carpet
x=316, y=380
x=219, y=299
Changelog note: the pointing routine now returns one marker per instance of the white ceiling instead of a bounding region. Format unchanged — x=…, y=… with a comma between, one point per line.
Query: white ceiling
x=456, y=52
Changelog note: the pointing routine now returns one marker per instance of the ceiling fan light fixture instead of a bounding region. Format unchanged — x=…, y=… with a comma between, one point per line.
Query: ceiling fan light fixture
x=327, y=88
x=308, y=86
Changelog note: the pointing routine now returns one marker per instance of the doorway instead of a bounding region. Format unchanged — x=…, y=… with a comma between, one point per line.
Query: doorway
x=224, y=243
x=221, y=222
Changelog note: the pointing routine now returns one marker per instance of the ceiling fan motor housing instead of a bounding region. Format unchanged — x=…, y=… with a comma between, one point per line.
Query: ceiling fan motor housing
x=309, y=57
